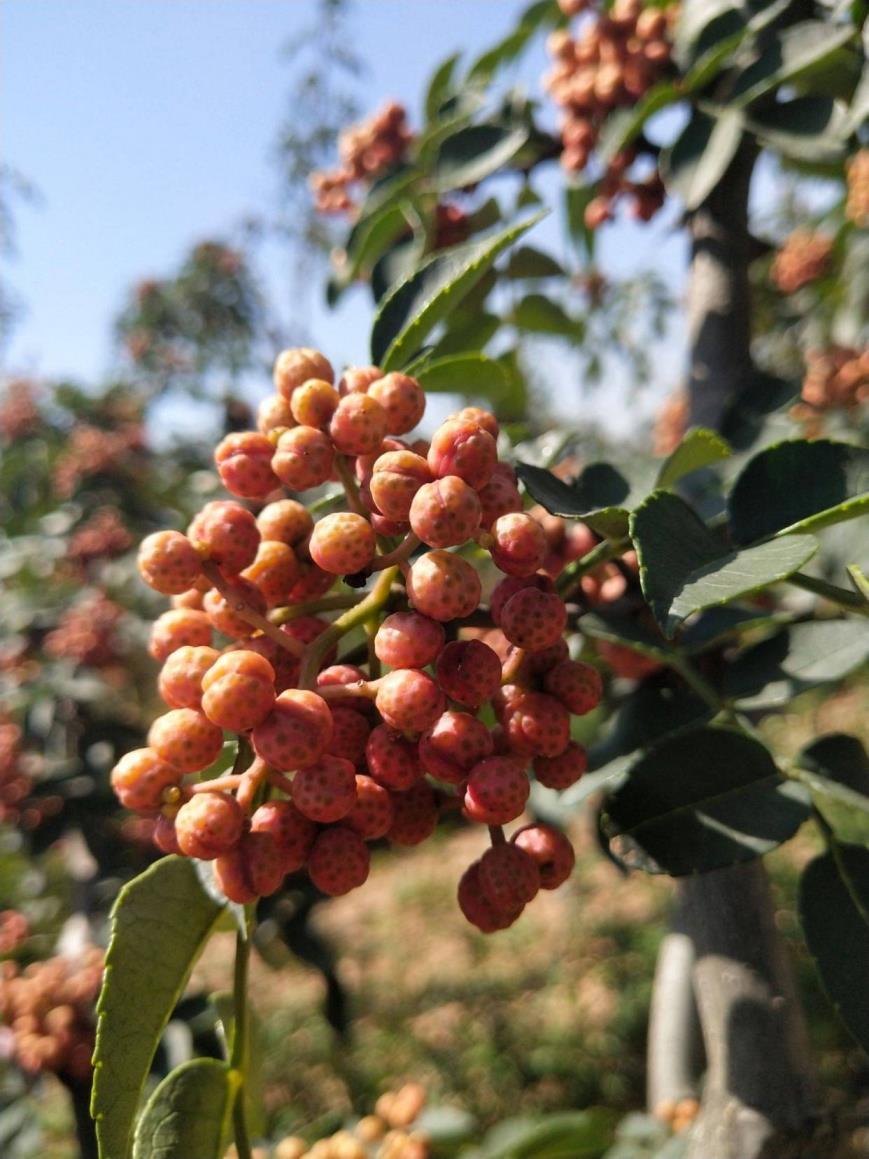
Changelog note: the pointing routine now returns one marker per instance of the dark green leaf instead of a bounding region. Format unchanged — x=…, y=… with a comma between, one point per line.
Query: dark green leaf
x=440, y=86
x=503, y=53
x=793, y=54
x=527, y=262
x=652, y=711
x=468, y=330
x=410, y=311
x=576, y=199
x=684, y=567
x=704, y=23
x=755, y=413
x=468, y=374
x=538, y=314
x=699, y=448
x=601, y=495
x=160, y=923
x=623, y=126
x=836, y=770
x=701, y=155
x=188, y=1114
x=372, y=237
x=627, y=630
x=802, y=656
x=834, y=911
x=797, y=486
x=803, y=129
x=569, y=1135
x=704, y=799
x=474, y=153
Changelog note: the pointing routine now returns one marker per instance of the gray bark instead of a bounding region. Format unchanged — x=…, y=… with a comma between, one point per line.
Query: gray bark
x=759, y=1083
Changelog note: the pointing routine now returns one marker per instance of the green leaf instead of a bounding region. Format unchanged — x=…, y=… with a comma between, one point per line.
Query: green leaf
x=834, y=912
x=835, y=768
x=803, y=129
x=527, y=262
x=701, y=155
x=799, y=485
x=793, y=54
x=502, y=53
x=467, y=374
x=569, y=1135
x=626, y=630
x=802, y=656
x=704, y=23
x=412, y=309
x=469, y=330
x=859, y=580
x=440, y=86
x=474, y=153
x=538, y=314
x=652, y=711
x=755, y=414
x=576, y=199
x=699, y=448
x=188, y=1114
x=684, y=567
x=159, y=924
x=624, y=125
x=704, y=799
x=601, y=495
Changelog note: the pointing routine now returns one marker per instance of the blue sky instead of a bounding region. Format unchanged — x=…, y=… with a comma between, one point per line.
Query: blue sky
x=146, y=125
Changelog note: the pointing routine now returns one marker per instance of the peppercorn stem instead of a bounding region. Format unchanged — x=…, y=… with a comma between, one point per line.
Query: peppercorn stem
x=404, y=551
x=603, y=553
x=240, y=605
x=850, y=601
x=318, y=648
x=351, y=490
x=238, y=1053
x=227, y=784
x=312, y=607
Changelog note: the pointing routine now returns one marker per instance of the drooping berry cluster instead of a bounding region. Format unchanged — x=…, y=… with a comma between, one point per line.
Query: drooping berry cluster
x=19, y=410
x=366, y=151
x=102, y=536
x=87, y=632
x=837, y=378
x=391, y=1132
x=618, y=53
x=340, y=756
x=803, y=258
x=93, y=451
x=48, y=1008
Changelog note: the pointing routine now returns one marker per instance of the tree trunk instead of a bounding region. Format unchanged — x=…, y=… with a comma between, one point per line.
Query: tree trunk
x=759, y=1082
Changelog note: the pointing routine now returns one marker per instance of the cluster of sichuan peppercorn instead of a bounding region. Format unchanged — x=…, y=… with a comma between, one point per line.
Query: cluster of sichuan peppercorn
x=366, y=150
x=617, y=54
x=372, y=743
x=804, y=257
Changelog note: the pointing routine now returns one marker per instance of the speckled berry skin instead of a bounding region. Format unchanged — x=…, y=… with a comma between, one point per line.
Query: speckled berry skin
x=468, y=671
x=461, y=447
x=402, y=399
x=408, y=640
x=273, y=413
x=325, y=790
x=372, y=815
x=350, y=731
x=536, y=724
x=186, y=739
x=578, y=686
x=304, y=457
x=140, y=778
x=445, y=513
x=414, y=815
x=497, y=791
x=343, y=543
x=296, y=365
x=168, y=562
x=180, y=680
x=358, y=378
x=292, y=832
x=532, y=619
x=561, y=771
x=392, y=759
x=499, y=497
x=520, y=545
x=273, y=572
x=239, y=691
x=335, y=675
x=453, y=745
x=208, y=825
x=395, y=479
x=244, y=463
x=479, y=417
x=179, y=628
x=509, y=877
x=409, y=700
x=296, y=732
x=253, y=869
x=314, y=403
x=551, y=850
x=339, y=861
x=532, y=665
x=477, y=907
x=227, y=534
x=358, y=425
x=508, y=587
x=286, y=521
x=226, y=615
x=443, y=586
x=312, y=583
